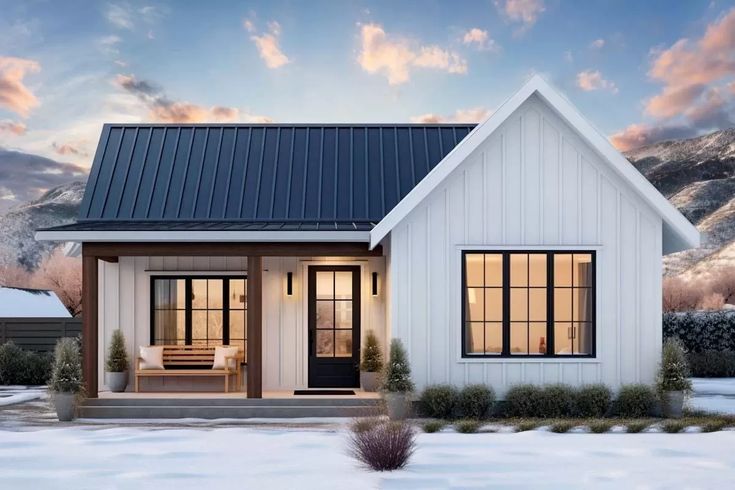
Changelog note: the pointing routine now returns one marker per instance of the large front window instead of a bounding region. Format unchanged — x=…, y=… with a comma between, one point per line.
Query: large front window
x=199, y=310
x=528, y=303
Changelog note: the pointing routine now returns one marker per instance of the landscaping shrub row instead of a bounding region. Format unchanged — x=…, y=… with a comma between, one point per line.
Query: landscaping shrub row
x=701, y=331
x=531, y=401
x=22, y=367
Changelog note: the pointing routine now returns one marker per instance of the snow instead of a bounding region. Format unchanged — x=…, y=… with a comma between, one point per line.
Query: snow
x=716, y=395
x=18, y=302
x=138, y=458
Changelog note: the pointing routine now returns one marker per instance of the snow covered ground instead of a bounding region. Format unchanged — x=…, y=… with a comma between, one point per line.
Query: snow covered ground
x=139, y=458
x=713, y=395
x=11, y=395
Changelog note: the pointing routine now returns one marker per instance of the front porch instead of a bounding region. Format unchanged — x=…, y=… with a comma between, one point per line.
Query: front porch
x=279, y=336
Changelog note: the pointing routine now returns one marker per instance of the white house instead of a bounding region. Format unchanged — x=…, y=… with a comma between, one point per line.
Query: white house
x=525, y=249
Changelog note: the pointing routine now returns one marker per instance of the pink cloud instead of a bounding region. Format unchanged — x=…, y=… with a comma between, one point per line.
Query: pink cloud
x=268, y=44
x=525, y=12
x=12, y=127
x=470, y=115
x=14, y=95
x=590, y=80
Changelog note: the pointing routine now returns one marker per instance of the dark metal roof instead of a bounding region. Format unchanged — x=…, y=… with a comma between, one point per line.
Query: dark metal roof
x=260, y=173
x=213, y=225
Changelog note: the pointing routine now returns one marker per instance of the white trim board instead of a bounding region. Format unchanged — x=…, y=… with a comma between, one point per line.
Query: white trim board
x=679, y=234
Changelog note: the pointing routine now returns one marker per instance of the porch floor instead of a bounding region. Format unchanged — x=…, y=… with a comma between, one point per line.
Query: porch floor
x=184, y=395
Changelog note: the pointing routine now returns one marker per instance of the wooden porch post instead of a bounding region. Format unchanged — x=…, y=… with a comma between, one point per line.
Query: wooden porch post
x=89, y=323
x=255, y=327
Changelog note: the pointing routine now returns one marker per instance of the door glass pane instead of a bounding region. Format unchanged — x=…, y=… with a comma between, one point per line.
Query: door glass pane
x=343, y=285
x=214, y=293
x=562, y=304
x=474, y=269
x=493, y=338
x=537, y=304
x=161, y=291
x=563, y=269
x=494, y=304
x=325, y=285
x=563, y=338
x=237, y=294
x=474, y=304
x=537, y=338
x=324, y=314
x=518, y=338
x=178, y=293
x=519, y=270
x=343, y=346
x=214, y=327
x=168, y=326
x=343, y=310
x=199, y=325
x=324, y=343
x=237, y=325
x=518, y=304
x=199, y=293
x=583, y=269
x=537, y=270
x=494, y=270
x=474, y=338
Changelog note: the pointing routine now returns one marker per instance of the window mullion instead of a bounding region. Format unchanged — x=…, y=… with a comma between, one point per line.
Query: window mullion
x=506, y=304
x=187, y=314
x=550, y=349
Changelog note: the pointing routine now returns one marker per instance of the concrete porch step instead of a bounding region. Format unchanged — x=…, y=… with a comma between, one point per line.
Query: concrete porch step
x=147, y=411
x=312, y=401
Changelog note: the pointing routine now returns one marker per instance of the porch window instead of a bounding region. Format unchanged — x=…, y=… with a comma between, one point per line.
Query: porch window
x=199, y=310
x=528, y=304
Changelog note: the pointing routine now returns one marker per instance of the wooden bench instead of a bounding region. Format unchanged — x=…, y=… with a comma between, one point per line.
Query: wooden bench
x=192, y=360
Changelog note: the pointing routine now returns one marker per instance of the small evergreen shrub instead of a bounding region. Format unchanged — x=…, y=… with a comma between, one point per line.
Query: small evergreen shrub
x=712, y=364
x=635, y=400
x=117, y=357
x=398, y=372
x=385, y=447
x=523, y=401
x=433, y=426
x=372, y=356
x=557, y=400
x=636, y=426
x=467, y=426
x=562, y=426
x=23, y=367
x=673, y=373
x=600, y=426
x=673, y=426
x=66, y=372
x=593, y=400
x=439, y=401
x=475, y=401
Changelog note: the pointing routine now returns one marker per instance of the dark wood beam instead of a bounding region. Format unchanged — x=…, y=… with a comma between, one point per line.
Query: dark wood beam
x=255, y=327
x=113, y=260
x=89, y=324
x=242, y=249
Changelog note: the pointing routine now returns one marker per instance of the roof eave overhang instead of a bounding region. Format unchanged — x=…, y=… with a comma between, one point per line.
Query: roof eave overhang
x=202, y=236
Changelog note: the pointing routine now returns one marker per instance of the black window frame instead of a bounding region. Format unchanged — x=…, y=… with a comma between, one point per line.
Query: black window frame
x=188, y=305
x=550, y=345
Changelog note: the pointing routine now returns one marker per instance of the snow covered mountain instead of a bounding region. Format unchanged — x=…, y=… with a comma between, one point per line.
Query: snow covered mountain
x=58, y=206
x=698, y=176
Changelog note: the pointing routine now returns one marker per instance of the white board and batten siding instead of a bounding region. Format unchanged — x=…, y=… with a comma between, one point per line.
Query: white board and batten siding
x=533, y=184
x=124, y=302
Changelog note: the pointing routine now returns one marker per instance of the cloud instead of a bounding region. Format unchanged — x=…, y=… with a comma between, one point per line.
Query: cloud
x=395, y=57
x=471, y=115
x=109, y=44
x=590, y=80
x=163, y=109
x=14, y=95
x=597, y=44
x=268, y=44
x=25, y=176
x=480, y=39
x=12, y=127
x=525, y=12
x=637, y=135
x=120, y=16
x=69, y=149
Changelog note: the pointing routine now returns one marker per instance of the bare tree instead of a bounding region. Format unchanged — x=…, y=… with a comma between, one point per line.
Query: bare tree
x=63, y=275
x=723, y=283
x=711, y=301
x=680, y=295
x=14, y=276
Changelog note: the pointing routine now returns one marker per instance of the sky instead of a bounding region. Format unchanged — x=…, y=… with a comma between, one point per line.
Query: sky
x=640, y=71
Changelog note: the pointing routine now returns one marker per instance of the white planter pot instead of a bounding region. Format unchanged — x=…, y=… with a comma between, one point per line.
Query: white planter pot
x=398, y=405
x=66, y=406
x=673, y=402
x=117, y=381
x=369, y=381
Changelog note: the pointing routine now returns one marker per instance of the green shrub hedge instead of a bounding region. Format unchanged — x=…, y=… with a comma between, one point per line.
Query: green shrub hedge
x=439, y=401
x=702, y=330
x=636, y=400
x=593, y=400
x=475, y=401
x=22, y=367
x=712, y=364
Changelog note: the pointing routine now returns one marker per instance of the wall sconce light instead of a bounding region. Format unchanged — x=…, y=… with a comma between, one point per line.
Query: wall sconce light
x=289, y=284
x=375, y=284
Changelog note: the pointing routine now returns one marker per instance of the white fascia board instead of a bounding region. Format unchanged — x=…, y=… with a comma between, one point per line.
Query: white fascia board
x=203, y=236
x=686, y=232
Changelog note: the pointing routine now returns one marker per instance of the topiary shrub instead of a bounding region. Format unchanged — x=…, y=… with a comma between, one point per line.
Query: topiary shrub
x=593, y=400
x=523, y=401
x=117, y=357
x=386, y=446
x=475, y=401
x=439, y=401
x=66, y=372
x=557, y=400
x=635, y=400
x=673, y=373
x=372, y=356
x=712, y=364
x=398, y=372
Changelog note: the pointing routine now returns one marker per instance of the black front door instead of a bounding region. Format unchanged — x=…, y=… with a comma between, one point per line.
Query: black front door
x=334, y=326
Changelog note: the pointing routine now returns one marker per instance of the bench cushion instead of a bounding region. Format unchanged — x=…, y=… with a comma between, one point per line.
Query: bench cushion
x=185, y=372
x=151, y=357
x=220, y=353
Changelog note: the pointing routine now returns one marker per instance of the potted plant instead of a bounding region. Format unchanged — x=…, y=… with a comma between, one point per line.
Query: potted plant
x=673, y=378
x=398, y=386
x=372, y=363
x=117, y=363
x=66, y=385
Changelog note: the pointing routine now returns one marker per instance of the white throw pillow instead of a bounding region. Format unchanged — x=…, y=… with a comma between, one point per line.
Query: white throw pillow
x=151, y=357
x=219, y=357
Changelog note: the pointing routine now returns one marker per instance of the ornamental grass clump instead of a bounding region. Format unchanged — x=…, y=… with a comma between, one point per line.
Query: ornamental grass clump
x=433, y=426
x=387, y=446
x=117, y=358
x=673, y=374
x=467, y=426
x=475, y=401
x=398, y=371
x=439, y=401
x=66, y=371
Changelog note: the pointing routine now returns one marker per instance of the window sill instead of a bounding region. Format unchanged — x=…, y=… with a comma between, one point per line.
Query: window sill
x=529, y=360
